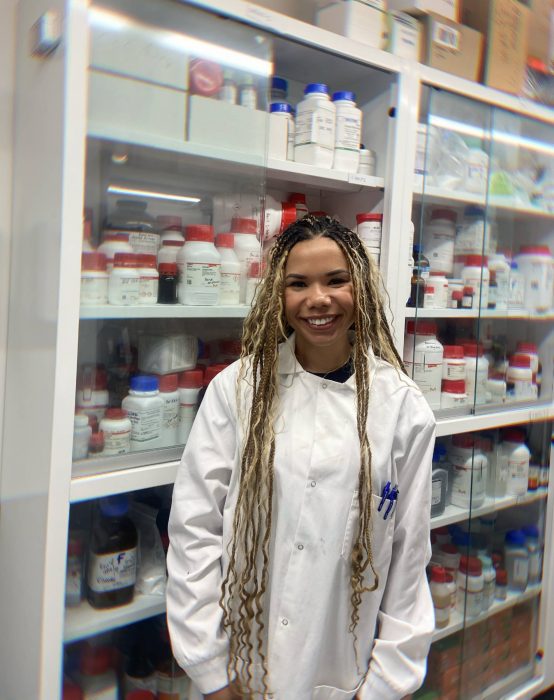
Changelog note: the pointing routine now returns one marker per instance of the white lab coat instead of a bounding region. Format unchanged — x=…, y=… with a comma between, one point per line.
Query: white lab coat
x=307, y=607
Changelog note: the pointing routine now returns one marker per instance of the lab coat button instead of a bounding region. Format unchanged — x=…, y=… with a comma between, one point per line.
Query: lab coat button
x=300, y=546
x=324, y=386
x=312, y=484
x=284, y=622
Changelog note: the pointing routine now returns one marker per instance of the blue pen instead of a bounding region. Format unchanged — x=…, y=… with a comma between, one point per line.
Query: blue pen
x=384, y=494
x=393, y=496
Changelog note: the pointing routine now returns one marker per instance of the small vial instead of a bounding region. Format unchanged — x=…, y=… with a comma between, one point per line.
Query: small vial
x=467, y=298
x=248, y=95
x=457, y=298
x=501, y=589
x=167, y=287
x=229, y=90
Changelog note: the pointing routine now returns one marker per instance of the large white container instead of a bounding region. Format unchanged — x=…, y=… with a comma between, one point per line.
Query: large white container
x=423, y=358
x=314, y=142
x=190, y=385
x=516, y=456
x=199, y=266
x=348, y=132
x=124, y=282
x=519, y=379
x=149, y=279
x=229, y=291
x=438, y=240
x=116, y=428
x=469, y=472
x=470, y=234
x=361, y=21
x=477, y=372
x=536, y=266
x=247, y=248
x=114, y=243
x=476, y=274
x=144, y=407
x=282, y=111
x=501, y=267
x=471, y=584
x=81, y=436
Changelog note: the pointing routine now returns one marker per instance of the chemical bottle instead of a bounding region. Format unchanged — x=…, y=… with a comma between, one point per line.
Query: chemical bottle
x=441, y=596
x=516, y=456
x=348, y=132
x=169, y=279
x=131, y=217
x=531, y=533
x=423, y=357
x=489, y=581
x=247, y=248
x=439, y=489
x=190, y=384
x=469, y=602
x=420, y=274
x=92, y=390
x=139, y=672
x=229, y=291
x=299, y=201
x=199, y=266
x=169, y=393
x=315, y=127
x=112, y=558
x=116, y=428
x=283, y=111
x=145, y=409
x=517, y=560
x=98, y=678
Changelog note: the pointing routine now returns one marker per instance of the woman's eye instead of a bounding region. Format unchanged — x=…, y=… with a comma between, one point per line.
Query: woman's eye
x=337, y=281
x=296, y=283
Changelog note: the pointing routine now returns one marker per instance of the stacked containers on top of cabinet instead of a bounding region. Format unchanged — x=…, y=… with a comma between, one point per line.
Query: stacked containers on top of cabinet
x=478, y=343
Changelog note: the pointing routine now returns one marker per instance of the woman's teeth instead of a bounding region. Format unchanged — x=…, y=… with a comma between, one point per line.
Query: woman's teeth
x=320, y=321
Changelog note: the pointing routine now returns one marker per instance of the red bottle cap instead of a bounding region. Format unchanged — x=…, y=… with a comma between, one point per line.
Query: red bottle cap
x=96, y=442
x=95, y=660
x=471, y=565
x=457, y=295
x=438, y=574
x=191, y=379
x=454, y=386
x=297, y=198
x=225, y=240
x=368, y=216
x=199, y=232
x=146, y=260
x=518, y=360
x=116, y=413
x=527, y=347
x=211, y=372
x=109, y=237
x=229, y=346
x=429, y=289
x=513, y=435
x=422, y=328
x=502, y=577
x=71, y=691
x=125, y=260
x=288, y=215
x=168, y=382
x=496, y=560
x=94, y=261
x=534, y=250
x=444, y=214
x=463, y=440
x=241, y=225
x=449, y=548
x=167, y=268
x=473, y=350
x=477, y=261
x=453, y=352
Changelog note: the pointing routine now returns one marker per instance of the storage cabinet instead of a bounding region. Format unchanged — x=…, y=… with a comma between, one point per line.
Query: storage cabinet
x=118, y=116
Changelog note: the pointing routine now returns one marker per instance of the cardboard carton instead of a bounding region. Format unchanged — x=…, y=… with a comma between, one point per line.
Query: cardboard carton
x=445, y=8
x=451, y=47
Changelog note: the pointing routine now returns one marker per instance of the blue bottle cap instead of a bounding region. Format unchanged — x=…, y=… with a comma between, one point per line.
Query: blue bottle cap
x=144, y=382
x=344, y=95
x=462, y=539
x=280, y=107
x=531, y=531
x=514, y=265
x=279, y=83
x=315, y=88
x=515, y=537
x=474, y=211
x=114, y=506
x=439, y=451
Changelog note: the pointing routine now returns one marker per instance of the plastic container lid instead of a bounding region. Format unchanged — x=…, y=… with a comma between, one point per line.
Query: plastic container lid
x=447, y=214
x=513, y=435
x=519, y=360
x=453, y=352
x=534, y=250
x=120, y=236
x=241, y=225
x=313, y=88
x=225, y=240
x=146, y=260
x=280, y=107
x=167, y=268
x=457, y=295
x=297, y=198
x=116, y=414
x=230, y=346
x=368, y=216
x=279, y=83
x=422, y=328
x=199, y=233
x=438, y=574
x=168, y=382
x=476, y=261
x=169, y=222
x=449, y=548
x=125, y=260
x=454, y=386
x=471, y=565
x=526, y=347
x=497, y=560
x=94, y=261
x=191, y=379
x=473, y=350
x=114, y=506
x=463, y=440
x=439, y=450
x=144, y=382
x=531, y=531
x=288, y=215
x=515, y=538
x=474, y=211
x=211, y=372
x=344, y=95
x=80, y=420
x=514, y=265
x=170, y=243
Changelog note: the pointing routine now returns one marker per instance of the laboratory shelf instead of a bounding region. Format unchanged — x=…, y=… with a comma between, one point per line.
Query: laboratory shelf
x=511, y=314
x=107, y=311
x=512, y=682
x=457, y=621
x=84, y=621
x=511, y=415
x=309, y=176
x=453, y=514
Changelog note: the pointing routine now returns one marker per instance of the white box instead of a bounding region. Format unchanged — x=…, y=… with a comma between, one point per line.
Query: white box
x=222, y=125
x=403, y=35
x=136, y=51
x=361, y=20
x=166, y=354
x=137, y=108
x=445, y=8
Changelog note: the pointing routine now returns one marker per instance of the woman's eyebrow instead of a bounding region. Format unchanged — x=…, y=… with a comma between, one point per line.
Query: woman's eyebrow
x=296, y=275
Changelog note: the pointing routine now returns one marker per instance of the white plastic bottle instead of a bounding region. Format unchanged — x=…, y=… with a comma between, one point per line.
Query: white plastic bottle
x=282, y=110
x=500, y=266
x=149, y=279
x=314, y=141
x=537, y=267
x=441, y=596
x=348, y=132
x=516, y=296
x=145, y=410
x=516, y=457
x=471, y=583
x=519, y=379
x=438, y=241
x=469, y=472
x=114, y=243
x=247, y=248
x=534, y=550
x=124, y=282
x=423, y=358
x=454, y=365
x=440, y=283
x=199, y=266
x=368, y=162
x=116, y=427
x=477, y=372
x=475, y=274
x=453, y=393
x=489, y=581
x=299, y=201
x=531, y=350
x=169, y=393
x=517, y=560
x=81, y=436
x=94, y=279
x=169, y=250
x=92, y=396
x=190, y=385
x=229, y=290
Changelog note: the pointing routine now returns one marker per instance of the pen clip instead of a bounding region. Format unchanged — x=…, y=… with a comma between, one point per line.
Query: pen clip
x=392, y=497
x=384, y=495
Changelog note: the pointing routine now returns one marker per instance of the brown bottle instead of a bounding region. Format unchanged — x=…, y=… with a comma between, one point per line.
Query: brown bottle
x=112, y=559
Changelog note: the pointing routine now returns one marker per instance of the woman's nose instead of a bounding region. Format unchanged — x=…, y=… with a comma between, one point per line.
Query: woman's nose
x=318, y=297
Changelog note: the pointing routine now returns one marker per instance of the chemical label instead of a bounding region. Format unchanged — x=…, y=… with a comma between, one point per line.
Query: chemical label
x=171, y=414
x=230, y=288
x=110, y=572
x=360, y=179
x=446, y=36
x=148, y=290
x=203, y=275
x=94, y=290
x=521, y=571
x=124, y=290
x=144, y=242
x=317, y=127
x=146, y=423
x=347, y=134
x=117, y=443
x=436, y=492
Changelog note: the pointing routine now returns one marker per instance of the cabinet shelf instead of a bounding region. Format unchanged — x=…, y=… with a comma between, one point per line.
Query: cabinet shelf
x=84, y=621
x=453, y=514
x=107, y=311
x=512, y=314
x=457, y=621
x=495, y=419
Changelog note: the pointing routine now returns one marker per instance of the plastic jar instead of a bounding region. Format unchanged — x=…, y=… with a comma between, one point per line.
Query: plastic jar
x=114, y=243
x=501, y=588
x=454, y=364
x=441, y=596
x=439, y=487
x=131, y=217
x=253, y=280
x=438, y=240
x=531, y=533
x=279, y=89
x=489, y=581
x=94, y=279
x=516, y=455
x=229, y=290
x=470, y=235
x=169, y=250
x=124, y=282
x=81, y=436
x=168, y=282
x=149, y=279
x=423, y=358
x=450, y=557
x=112, y=556
x=516, y=296
x=116, y=427
x=314, y=142
x=536, y=266
x=199, y=266
x=496, y=387
x=169, y=393
x=367, y=162
x=247, y=247
x=98, y=678
x=277, y=216
x=453, y=393
x=517, y=560
x=92, y=397
x=455, y=285
x=469, y=472
x=476, y=274
x=348, y=132
x=282, y=110
x=500, y=266
x=531, y=350
x=170, y=228
x=534, y=477
x=469, y=601
x=477, y=165
x=145, y=409
x=519, y=379
x=477, y=372
x=370, y=228
x=429, y=296
x=190, y=384
x=440, y=283
x=299, y=201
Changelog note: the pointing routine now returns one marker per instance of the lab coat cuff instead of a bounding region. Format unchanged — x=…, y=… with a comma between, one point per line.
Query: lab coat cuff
x=376, y=687
x=211, y=675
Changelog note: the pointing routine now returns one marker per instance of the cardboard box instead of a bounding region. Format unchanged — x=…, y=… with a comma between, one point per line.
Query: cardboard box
x=446, y=8
x=451, y=47
x=361, y=20
x=505, y=25
x=541, y=32
x=403, y=35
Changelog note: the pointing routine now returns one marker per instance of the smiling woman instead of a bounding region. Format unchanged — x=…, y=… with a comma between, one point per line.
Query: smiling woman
x=287, y=577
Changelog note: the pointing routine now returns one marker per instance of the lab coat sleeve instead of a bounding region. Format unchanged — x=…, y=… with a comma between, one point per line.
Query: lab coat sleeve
x=406, y=618
x=194, y=559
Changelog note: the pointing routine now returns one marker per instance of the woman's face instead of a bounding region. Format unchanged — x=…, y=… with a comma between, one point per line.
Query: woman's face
x=318, y=296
